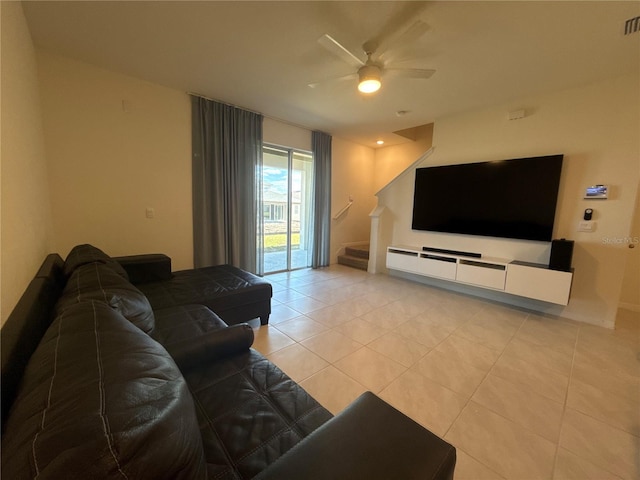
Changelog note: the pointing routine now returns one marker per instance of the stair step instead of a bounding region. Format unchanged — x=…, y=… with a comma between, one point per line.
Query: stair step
x=360, y=251
x=355, y=262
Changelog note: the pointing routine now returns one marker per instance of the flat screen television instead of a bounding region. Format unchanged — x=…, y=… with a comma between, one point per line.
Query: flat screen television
x=509, y=198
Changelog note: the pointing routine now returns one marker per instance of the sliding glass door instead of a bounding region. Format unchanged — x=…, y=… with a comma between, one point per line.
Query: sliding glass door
x=287, y=189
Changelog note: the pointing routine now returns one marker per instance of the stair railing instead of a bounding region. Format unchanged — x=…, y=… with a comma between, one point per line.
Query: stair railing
x=343, y=210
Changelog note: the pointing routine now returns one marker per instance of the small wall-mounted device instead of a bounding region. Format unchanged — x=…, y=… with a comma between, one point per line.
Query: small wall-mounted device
x=586, y=224
x=517, y=114
x=597, y=191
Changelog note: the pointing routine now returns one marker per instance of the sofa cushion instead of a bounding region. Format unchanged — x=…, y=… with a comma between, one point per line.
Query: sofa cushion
x=184, y=322
x=225, y=289
x=209, y=347
x=26, y=325
x=84, y=254
x=148, y=267
x=96, y=281
x=250, y=413
x=369, y=440
x=101, y=399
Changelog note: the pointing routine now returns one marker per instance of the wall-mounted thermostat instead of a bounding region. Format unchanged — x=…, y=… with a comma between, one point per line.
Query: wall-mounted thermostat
x=597, y=191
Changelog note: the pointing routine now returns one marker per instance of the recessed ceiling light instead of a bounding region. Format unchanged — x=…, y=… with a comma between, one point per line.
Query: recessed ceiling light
x=380, y=142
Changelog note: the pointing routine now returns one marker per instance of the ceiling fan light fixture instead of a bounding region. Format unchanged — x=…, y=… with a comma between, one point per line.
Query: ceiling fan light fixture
x=369, y=79
x=369, y=85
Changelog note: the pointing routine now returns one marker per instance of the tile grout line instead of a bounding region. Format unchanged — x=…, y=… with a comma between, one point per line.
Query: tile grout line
x=333, y=364
x=488, y=372
x=579, y=334
x=566, y=399
x=476, y=389
x=582, y=413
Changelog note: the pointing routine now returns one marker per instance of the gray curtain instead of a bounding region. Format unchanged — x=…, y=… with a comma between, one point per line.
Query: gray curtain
x=227, y=152
x=321, y=146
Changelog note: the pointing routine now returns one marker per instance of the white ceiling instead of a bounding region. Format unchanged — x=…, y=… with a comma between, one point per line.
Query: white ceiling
x=262, y=55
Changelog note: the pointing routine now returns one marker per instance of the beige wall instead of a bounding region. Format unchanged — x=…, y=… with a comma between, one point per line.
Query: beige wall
x=352, y=173
x=26, y=210
x=117, y=146
x=393, y=160
x=282, y=134
x=596, y=127
x=358, y=172
x=109, y=162
x=630, y=296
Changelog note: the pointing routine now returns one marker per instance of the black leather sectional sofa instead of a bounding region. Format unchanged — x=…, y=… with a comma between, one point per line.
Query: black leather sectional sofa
x=98, y=384
x=235, y=295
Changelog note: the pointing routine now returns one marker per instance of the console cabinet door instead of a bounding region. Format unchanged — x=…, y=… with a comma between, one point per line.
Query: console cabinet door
x=540, y=283
x=440, y=267
x=404, y=261
x=485, y=275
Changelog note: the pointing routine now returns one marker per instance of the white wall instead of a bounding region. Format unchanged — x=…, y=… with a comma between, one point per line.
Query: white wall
x=596, y=128
x=116, y=146
x=26, y=209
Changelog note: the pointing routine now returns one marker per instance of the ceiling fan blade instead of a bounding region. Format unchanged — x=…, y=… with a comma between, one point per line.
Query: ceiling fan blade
x=400, y=16
x=326, y=81
x=410, y=35
x=331, y=44
x=410, y=72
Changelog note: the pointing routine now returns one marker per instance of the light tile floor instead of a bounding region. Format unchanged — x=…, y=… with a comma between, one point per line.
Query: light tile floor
x=520, y=395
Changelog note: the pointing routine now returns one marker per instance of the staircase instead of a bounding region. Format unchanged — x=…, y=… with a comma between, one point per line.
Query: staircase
x=356, y=257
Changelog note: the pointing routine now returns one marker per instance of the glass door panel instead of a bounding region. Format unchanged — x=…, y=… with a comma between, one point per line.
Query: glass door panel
x=301, y=214
x=275, y=218
x=287, y=209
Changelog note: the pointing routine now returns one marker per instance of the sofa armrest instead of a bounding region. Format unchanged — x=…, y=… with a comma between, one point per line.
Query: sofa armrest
x=211, y=346
x=369, y=440
x=146, y=268
x=22, y=332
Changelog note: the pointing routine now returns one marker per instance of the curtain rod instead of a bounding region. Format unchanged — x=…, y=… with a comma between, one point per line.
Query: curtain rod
x=224, y=103
x=252, y=111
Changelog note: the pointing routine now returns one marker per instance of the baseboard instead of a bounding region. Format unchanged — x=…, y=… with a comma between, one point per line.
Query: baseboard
x=629, y=306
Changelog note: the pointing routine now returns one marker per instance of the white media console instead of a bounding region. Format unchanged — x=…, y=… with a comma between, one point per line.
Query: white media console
x=510, y=276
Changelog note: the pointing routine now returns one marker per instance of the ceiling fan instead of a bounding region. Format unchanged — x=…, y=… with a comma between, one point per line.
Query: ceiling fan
x=370, y=72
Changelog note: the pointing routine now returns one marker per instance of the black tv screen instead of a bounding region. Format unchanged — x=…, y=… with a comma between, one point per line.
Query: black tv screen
x=509, y=198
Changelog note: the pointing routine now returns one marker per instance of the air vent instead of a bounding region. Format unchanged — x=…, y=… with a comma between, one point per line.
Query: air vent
x=632, y=26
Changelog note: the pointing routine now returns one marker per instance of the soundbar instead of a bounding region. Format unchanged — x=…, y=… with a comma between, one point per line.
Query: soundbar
x=452, y=252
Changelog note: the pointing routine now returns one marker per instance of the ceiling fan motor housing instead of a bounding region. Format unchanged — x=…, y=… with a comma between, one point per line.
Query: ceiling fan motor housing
x=369, y=78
